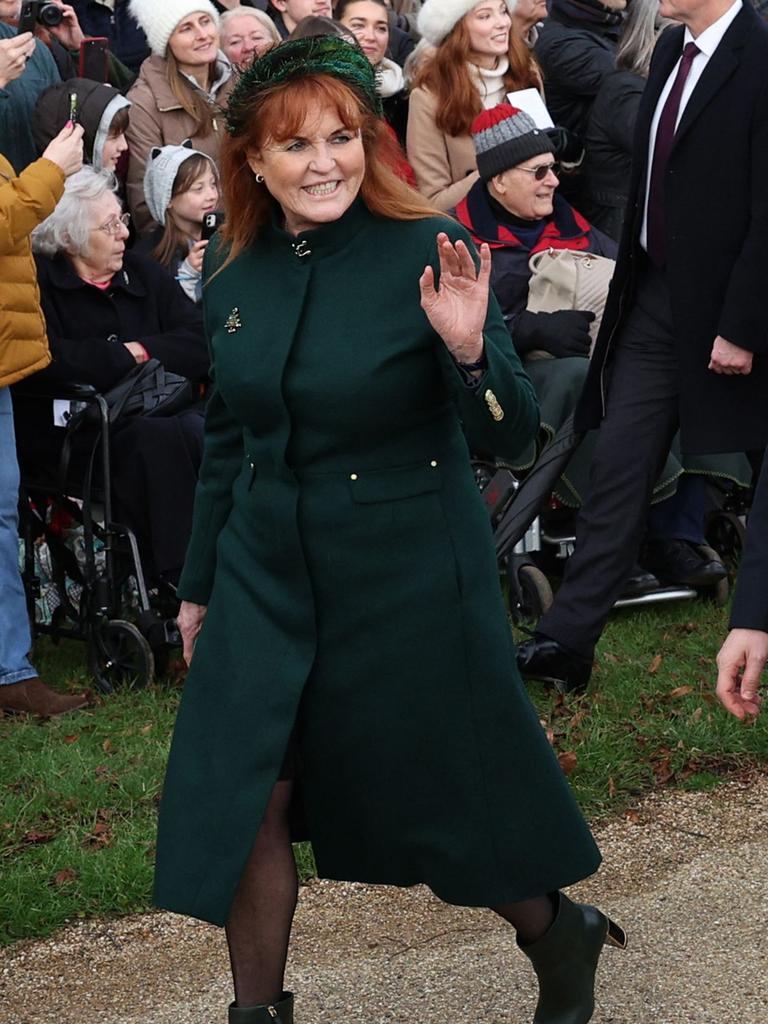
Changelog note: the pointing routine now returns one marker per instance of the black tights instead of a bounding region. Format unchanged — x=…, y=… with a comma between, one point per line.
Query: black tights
x=259, y=925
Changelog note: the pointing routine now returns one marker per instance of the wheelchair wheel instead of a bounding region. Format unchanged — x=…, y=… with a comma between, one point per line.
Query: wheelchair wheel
x=530, y=594
x=727, y=534
x=120, y=656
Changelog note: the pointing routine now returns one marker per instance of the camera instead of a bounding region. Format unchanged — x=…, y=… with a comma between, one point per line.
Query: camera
x=50, y=15
x=39, y=12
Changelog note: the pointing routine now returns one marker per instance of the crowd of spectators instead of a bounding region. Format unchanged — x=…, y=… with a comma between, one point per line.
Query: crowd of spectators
x=120, y=261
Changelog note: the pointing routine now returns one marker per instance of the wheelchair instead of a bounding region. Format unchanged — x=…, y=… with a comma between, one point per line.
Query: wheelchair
x=533, y=542
x=89, y=564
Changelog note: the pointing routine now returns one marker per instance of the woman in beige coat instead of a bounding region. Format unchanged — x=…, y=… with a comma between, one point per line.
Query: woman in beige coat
x=477, y=60
x=181, y=92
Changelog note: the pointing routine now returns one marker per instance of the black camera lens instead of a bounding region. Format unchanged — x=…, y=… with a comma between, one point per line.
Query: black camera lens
x=50, y=15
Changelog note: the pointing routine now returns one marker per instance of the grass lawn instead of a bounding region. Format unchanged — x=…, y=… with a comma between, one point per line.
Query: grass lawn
x=78, y=796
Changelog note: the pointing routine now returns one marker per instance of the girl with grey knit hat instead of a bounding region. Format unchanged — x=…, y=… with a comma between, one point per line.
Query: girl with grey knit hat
x=181, y=187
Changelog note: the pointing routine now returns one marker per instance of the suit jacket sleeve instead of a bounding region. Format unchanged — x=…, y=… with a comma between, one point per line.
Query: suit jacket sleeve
x=744, y=320
x=750, y=602
x=499, y=410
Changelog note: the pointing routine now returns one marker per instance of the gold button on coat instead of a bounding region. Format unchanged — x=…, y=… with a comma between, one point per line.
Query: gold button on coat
x=493, y=405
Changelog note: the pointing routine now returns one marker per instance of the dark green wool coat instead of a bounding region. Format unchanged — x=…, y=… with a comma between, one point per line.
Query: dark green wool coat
x=346, y=559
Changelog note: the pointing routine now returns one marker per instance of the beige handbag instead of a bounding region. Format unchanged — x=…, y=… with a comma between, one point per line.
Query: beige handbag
x=568, y=279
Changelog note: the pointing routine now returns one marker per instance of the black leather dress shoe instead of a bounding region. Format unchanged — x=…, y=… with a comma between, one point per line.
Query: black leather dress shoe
x=640, y=581
x=679, y=561
x=546, y=660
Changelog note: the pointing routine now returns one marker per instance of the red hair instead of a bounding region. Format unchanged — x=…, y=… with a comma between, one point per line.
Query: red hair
x=446, y=75
x=278, y=114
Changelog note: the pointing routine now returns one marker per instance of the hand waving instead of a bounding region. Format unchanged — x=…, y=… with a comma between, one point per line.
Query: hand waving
x=458, y=307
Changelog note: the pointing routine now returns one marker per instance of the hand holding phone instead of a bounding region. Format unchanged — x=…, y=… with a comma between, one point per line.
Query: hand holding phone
x=211, y=224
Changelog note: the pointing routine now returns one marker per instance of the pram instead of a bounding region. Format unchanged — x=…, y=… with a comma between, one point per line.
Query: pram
x=82, y=570
x=526, y=546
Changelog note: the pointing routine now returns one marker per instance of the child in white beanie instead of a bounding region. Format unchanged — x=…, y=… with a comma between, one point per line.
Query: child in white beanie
x=182, y=188
x=182, y=89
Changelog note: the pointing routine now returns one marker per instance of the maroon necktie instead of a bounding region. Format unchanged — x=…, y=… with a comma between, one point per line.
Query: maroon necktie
x=665, y=136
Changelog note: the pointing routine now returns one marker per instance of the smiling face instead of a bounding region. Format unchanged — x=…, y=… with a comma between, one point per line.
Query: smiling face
x=189, y=207
x=369, y=22
x=316, y=175
x=195, y=41
x=243, y=38
x=113, y=149
x=294, y=10
x=521, y=194
x=488, y=25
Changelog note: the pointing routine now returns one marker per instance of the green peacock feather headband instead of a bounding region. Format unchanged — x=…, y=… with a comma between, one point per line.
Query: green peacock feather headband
x=297, y=58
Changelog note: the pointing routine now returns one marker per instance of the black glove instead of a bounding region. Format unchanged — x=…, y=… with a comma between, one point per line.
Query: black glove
x=564, y=333
x=569, y=148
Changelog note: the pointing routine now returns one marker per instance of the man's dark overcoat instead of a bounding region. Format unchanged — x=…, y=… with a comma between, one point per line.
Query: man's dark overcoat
x=346, y=560
x=716, y=215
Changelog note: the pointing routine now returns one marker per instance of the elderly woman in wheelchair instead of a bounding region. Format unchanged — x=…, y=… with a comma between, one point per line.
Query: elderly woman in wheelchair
x=107, y=312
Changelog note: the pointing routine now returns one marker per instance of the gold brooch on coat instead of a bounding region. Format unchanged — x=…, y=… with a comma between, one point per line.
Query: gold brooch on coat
x=233, y=322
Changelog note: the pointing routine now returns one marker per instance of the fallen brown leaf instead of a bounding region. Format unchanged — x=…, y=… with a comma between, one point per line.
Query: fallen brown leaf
x=680, y=691
x=655, y=665
x=65, y=876
x=568, y=761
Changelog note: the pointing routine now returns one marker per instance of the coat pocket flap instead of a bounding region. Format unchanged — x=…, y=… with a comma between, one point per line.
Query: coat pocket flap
x=393, y=484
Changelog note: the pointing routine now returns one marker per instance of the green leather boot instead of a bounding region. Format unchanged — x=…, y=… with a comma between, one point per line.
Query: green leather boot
x=277, y=1013
x=565, y=961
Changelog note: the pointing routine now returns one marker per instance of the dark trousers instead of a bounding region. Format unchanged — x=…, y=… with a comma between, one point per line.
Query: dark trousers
x=640, y=421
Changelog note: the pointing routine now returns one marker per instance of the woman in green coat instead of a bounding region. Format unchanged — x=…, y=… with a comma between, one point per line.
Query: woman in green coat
x=352, y=656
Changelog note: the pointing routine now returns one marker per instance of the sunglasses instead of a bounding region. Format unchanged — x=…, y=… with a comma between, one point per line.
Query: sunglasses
x=541, y=171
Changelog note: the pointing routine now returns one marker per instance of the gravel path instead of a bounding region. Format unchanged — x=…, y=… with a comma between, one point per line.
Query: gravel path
x=686, y=874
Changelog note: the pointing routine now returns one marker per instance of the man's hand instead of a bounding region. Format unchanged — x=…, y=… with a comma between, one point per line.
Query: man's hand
x=68, y=32
x=14, y=54
x=740, y=663
x=729, y=359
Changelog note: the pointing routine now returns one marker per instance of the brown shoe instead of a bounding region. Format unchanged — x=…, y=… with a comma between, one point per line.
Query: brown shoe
x=33, y=697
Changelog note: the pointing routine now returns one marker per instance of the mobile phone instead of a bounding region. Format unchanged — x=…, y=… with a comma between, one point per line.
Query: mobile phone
x=73, y=111
x=94, y=58
x=27, y=16
x=211, y=224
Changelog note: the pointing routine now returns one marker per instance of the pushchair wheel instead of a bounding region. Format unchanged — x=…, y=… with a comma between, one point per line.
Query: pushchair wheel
x=530, y=593
x=120, y=656
x=727, y=533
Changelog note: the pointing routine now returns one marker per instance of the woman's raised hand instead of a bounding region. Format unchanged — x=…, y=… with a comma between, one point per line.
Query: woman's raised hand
x=458, y=307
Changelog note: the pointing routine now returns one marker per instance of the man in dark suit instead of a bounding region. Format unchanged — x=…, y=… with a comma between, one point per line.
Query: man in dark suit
x=743, y=655
x=684, y=341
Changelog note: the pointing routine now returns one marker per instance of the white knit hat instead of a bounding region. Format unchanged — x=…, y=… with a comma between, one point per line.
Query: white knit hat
x=163, y=165
x=159, y=18
x=437, y=18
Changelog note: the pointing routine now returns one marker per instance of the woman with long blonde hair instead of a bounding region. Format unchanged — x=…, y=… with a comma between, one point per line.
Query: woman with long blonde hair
x=181, y=92
x=477, y=60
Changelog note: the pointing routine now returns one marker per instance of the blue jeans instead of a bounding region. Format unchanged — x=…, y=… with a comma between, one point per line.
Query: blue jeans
x=15, y=640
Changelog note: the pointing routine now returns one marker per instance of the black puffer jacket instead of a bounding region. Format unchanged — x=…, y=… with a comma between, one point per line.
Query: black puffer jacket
x=576, y=49
x=608, y=143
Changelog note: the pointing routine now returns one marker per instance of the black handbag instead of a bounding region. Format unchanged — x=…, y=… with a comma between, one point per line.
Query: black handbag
x=147, y=390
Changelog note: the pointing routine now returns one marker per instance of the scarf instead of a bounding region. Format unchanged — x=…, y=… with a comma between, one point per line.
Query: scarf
x=389, y=78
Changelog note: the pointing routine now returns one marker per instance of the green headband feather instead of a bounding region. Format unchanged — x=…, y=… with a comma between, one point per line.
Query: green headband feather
x=297, y=58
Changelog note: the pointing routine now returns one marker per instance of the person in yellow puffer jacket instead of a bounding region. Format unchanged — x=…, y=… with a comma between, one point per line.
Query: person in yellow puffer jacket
x=25, y=201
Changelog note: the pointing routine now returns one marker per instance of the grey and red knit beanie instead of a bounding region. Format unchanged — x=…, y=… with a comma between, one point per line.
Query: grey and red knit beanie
x=504, y=137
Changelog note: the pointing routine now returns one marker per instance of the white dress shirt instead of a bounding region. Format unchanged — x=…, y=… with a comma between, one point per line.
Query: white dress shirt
x=707, y=42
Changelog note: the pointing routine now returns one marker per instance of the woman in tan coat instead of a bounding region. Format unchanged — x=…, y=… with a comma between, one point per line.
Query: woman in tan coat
x=181, y=92
x=476, y=62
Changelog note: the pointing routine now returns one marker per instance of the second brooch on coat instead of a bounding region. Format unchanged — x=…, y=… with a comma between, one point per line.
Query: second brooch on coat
x=233, y=322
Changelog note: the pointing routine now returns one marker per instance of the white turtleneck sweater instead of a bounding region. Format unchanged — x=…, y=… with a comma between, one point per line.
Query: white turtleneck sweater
x=490, y=82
